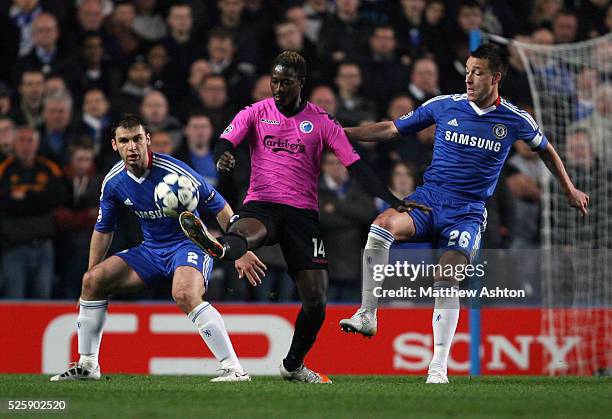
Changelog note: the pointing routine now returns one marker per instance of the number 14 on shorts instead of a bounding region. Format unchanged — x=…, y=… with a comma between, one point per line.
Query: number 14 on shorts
x=318, y=248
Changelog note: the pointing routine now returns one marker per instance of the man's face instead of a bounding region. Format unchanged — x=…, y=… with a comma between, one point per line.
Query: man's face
x=132, y=144
x=469, y=18
x=54, y=85
x=214, y=92
x=478, y=79
x=95, y=104
x=26, y=144
x=197, y=72
x=231, y=8
x=140, y=74
x=425, y=75
x=93, y=50
x=7, y=136
x=32, y=87
x=198, y=131
x=44, y=31
x=285, y=85
x=400, y=106
x=325, y=98
x=383, y=41
x=349, y=78
x=161, y=143
x=261, y=90
x=154, y=108
x=90, y=15
x=157, y=58
x=82, y=161
x=56, y=115
x=565, y=28
x=289, y=37
x=180, y=19
x=220, y=49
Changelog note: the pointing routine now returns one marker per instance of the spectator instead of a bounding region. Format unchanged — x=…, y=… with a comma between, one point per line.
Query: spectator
x=30, y=189
x=6, y=101
x=409, y=22
x=543, y=12
x=97, y=70
x=345, y=214
x=199, y=70
x=424, y=80
x=136, y=87
x=7, y=137
x=261, y=89
x=565, y=27
x=158, y=60
x=246, y=35
x=470, y=16
x=31, y=89
x=324, y=97
x=47, y=54
x=523, y=177
x=56, y=134
x=213, y=100
x=154, y=110
x=385, y=73
x=161, y=142
x=121, y=28
x=76, y=217
x=196, y=150
x=344, y=35
x=182, y=46
x=96, y=120
x=352, y=107
x=223, y=61
x=149, y=25
x=402, y=182
x=515, y=86
x=22, y=15
x=454, y=69
x=317, y=12
x=55, y=84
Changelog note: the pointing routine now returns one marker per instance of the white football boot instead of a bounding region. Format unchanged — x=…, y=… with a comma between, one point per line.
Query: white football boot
x=304, y=375
x=363, y=321
x=230, y=376
x=78, y=372
x=437, y=378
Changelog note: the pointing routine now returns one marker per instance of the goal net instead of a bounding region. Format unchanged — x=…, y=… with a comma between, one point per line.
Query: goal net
x=571, y=88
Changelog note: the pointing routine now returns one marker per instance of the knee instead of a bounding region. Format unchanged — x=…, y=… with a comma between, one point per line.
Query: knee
x=91, y=283
x=185, y=299
x=315, y=304
x=387, y=221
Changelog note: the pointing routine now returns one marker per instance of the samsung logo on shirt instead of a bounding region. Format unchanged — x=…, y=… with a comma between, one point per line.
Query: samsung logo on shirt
x=472, y=141
x=150, y=215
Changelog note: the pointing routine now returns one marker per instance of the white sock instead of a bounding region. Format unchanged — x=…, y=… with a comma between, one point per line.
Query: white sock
x=92, y=316
x=376, y=253
x=444, y=323
x=212, y=329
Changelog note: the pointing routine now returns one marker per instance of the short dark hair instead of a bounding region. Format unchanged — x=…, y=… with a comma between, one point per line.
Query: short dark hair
x=129, y=121
x=470, y=4
x=292, y=60
x=498, y=59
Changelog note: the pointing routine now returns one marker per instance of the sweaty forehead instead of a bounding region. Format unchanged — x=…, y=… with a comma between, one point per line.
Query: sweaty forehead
x=481, y=63
x=129, y=132
x=281, y=71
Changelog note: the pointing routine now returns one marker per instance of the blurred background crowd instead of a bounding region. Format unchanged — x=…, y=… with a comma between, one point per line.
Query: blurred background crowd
x=69, y=68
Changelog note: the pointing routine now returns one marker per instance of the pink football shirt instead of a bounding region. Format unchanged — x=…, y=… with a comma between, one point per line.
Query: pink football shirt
x=286, y=151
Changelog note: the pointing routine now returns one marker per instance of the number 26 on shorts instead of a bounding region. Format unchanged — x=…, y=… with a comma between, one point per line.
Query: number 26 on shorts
x=464, y=238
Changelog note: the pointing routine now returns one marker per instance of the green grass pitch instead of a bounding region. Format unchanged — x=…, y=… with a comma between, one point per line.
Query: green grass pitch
x=135, y=396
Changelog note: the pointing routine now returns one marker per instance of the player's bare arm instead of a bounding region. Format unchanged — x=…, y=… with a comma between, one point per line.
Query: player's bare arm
x=575, y=197
x=98, y=247
x=248, y=265
x=380, y=131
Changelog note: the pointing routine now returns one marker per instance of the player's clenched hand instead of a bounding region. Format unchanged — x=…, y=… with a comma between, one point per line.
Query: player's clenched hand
x=408, y=206
x=226, y=162
x=250, y=266
x=578, y=199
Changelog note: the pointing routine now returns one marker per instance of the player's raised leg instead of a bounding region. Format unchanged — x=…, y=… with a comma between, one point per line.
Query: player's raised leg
x=312, y=288
x=389, y=226
x=245, y=234
x=108, y=277
x=187, y=290
x=444, y=319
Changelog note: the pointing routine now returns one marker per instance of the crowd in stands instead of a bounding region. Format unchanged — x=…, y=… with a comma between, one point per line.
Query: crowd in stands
x=69, y=68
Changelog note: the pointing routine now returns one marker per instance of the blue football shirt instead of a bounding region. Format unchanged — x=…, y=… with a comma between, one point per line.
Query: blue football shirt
x=121, y=187
x=471, y=144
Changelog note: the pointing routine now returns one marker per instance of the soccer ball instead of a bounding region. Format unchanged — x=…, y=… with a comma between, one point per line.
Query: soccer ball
x=175, y=194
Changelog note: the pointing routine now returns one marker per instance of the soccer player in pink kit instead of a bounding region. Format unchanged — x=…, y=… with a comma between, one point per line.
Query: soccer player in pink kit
x=287, y=137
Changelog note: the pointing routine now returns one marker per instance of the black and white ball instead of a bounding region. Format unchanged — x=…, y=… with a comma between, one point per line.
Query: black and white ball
x=175, y=194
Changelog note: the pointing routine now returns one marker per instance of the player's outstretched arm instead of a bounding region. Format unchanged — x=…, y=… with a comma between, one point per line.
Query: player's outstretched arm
x=98, y=247
x=575, y=197
x=248, y=265
x=379, y=131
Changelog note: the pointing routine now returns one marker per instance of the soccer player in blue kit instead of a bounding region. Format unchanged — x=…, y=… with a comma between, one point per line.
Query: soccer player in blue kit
x=474, y=133
x=165, y=253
